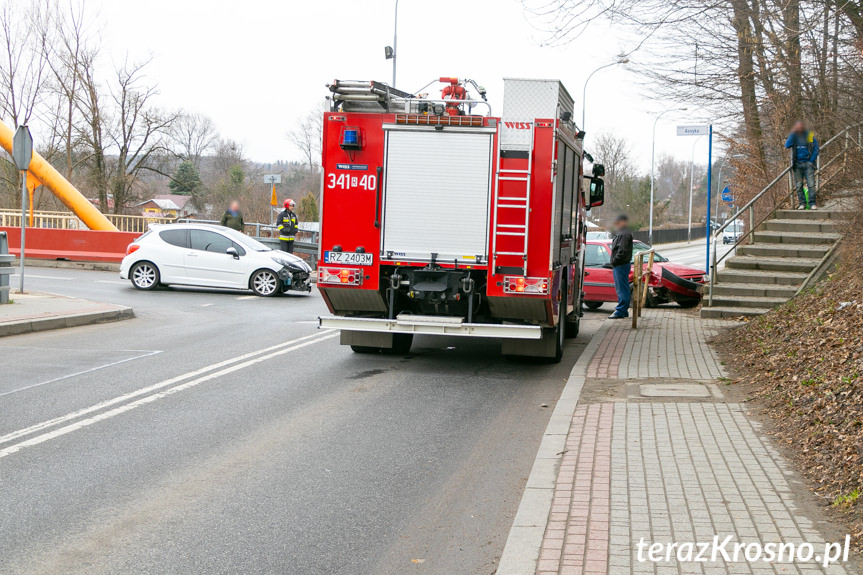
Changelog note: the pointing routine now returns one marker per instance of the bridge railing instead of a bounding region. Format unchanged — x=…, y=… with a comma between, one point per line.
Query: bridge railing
x=69, y=221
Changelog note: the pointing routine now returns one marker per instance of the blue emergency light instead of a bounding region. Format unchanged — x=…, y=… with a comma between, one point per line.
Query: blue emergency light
x=351, y=139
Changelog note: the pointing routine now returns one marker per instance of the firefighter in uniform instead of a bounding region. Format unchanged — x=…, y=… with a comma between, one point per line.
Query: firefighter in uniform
x=287, y=224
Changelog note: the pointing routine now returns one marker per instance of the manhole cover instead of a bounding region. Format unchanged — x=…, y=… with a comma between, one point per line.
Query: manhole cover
x=673, y=390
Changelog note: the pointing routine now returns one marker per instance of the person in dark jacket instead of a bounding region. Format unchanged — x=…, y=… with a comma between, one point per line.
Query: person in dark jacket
x=287, y=224
x=233, y=217
x=621, y=266
x=804, y=153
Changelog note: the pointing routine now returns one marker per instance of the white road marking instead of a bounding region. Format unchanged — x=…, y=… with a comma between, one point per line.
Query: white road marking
x=76, y=374
x=38, y=277
x=248, y=297
x=207, y=304
x=258, y=356
x=116, y=282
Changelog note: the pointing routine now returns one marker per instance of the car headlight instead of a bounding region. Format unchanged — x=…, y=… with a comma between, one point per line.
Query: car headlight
x=283, y=262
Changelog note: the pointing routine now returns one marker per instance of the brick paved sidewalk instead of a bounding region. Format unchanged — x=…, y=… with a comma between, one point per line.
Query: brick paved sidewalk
x=667, y=459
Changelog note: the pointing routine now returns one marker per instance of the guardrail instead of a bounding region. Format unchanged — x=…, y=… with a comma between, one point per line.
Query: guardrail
x=6, y=260
x=749, y=207
x=639, y=286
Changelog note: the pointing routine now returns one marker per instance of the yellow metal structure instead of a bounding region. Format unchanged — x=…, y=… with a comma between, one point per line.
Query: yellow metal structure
x=60, y=187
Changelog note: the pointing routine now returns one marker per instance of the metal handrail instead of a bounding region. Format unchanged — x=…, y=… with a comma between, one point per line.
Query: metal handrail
x=749, y=205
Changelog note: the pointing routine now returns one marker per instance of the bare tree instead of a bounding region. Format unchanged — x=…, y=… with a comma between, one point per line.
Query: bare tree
x=24, y=34
x=70, y=50
x=308, y=135
x=89, y=103
x=193, y=135
x=140, y=131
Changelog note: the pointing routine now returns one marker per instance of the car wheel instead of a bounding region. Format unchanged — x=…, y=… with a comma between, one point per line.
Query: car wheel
x=144, y=276
x=650, y=301
x=265, y=283
x=593, y=304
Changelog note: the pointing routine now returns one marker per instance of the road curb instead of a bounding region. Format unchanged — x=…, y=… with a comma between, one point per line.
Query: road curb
x=521, y=553
x=119, y=313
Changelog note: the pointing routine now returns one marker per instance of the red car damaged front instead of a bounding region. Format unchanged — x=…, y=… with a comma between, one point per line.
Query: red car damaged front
x=668, y=282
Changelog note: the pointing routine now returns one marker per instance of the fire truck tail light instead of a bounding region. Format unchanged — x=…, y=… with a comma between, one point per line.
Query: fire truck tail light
x=531, y=286
x=341, y=276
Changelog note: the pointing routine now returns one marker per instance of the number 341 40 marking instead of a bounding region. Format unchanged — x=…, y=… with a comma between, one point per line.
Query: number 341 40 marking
x=351, y=182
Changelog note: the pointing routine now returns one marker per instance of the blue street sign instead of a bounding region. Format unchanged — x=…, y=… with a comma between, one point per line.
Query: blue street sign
x=727, y=196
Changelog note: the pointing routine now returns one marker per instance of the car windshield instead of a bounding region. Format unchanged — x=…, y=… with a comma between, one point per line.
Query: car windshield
x=598, y=235
x=735, y=228
x=643, y=247
x=244, y=240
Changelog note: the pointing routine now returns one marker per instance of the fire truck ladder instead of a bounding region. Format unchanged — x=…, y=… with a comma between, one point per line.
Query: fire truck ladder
x=516, y=203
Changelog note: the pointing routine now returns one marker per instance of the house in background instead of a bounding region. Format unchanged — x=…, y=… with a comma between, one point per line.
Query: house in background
x=167, y=206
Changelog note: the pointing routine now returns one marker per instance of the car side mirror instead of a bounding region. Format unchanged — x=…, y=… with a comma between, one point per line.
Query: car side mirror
x=597, y=192
x=232, y=251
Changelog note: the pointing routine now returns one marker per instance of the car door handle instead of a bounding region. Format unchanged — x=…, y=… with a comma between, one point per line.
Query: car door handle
x=192, y=254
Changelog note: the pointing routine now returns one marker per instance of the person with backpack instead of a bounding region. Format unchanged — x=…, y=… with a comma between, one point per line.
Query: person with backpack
x=287, y=225
x=804, y=154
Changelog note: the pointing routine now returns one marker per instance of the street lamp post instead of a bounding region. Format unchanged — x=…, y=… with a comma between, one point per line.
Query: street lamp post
x=390, y=52
x=395, y=41
x=653, y=169
x=620, y=60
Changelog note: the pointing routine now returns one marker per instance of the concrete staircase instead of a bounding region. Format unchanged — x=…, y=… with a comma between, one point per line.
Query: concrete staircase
x=770, y=271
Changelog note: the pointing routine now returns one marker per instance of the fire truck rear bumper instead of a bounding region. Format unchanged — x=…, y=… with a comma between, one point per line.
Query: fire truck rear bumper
x=431, y=325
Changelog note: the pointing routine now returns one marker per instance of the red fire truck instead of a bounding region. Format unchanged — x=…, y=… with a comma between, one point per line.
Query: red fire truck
x=437, y=219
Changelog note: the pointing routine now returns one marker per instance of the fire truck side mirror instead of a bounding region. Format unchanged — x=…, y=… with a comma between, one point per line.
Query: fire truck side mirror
x=597, y=192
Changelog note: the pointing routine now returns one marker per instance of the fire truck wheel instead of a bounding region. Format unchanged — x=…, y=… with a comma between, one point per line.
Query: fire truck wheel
x=401, y=343
x=593, y=304
x=365, y=349
x=573, y=325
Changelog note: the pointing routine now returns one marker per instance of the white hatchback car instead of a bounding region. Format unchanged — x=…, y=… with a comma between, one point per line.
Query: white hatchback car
x=211, y=256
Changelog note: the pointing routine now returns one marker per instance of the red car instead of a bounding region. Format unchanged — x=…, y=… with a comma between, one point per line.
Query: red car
x=668, y=282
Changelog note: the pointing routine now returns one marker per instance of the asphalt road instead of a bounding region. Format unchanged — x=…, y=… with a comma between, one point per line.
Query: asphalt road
x=222, y=433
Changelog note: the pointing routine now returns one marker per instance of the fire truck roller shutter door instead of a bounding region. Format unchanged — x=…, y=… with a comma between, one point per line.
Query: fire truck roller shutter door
x=437, y=190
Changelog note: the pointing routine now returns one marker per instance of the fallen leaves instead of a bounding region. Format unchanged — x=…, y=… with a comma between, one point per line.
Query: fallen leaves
x=805, y=361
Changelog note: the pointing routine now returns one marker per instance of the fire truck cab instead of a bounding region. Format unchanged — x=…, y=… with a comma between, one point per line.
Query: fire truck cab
x=439, y=220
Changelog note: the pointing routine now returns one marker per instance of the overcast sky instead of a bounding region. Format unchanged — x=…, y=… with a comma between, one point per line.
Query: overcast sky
x=256, y=66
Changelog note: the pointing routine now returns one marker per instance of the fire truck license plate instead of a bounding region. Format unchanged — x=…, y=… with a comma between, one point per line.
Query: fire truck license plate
x=351, y=258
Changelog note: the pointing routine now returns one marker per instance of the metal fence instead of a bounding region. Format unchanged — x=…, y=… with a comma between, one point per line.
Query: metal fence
x=668, y=236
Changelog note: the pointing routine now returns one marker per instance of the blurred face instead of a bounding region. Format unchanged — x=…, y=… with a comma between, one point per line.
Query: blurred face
x=235, y=206
x=619, y=225
x=800, y=128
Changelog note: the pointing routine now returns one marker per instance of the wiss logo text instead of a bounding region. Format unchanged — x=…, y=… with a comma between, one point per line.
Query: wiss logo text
x=518, y=125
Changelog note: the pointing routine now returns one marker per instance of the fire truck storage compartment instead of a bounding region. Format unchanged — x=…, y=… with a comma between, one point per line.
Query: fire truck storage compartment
x=437, y=191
